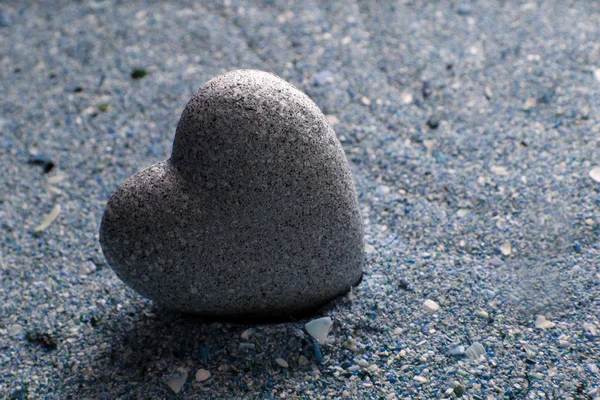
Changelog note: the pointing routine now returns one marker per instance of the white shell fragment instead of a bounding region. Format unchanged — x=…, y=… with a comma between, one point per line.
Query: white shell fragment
x=48, y=219
x=542, y=323
x=202, y=375
x=319, y=329
x=176, y=382
x=431, y=306
x=595, y=174
x=475, y=351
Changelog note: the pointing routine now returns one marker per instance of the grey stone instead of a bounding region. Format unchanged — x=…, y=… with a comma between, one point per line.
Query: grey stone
x=255, y=215
x=464, y=9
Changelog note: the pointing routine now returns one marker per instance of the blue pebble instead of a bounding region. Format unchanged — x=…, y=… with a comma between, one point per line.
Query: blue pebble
x=204, y=354
x=577, y=247
x=317, y=351
x=464, y=9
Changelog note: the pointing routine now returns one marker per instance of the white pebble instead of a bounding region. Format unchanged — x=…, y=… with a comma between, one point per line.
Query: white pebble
x=595, y=174
x=420, y=379
x=202, y=375
x=506, y=249
x=319, y=329
x=431, y=306
x=463, y=212
x=542, y=323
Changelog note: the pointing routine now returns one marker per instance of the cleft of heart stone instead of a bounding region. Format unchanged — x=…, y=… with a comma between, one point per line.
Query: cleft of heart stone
x=254, y=216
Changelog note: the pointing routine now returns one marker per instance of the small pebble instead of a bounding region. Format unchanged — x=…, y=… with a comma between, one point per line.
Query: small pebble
x=248, y=333
x=332, y=119
x=48, y=219
x=499, y=170
x=319, y=328
x=303, y=361
x=529, y=104
x=202, y=375
x=496, y=262
x=317, y=352
x=426, y=89
x=459, y=389
x=482, y=314
x=590, y=329
x=406, y=98
x=506, y=249
x=595, y=174
x=88, y=267
x=431, y=306
x=464, y=9
x=457, y=351
x=322, y=78
x=204, y=354
x=433, y=122
x=564, y=344
x=282, y=363
x=14, y=330
x=247, y=346
x=177, y=381
x=542, y=323
x=462, y=213
x=420, y=379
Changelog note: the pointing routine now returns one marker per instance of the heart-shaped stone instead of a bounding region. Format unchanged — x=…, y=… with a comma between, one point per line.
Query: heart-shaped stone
x=255, y=215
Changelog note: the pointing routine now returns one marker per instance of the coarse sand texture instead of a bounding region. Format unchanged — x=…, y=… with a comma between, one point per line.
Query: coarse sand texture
x=254, y=216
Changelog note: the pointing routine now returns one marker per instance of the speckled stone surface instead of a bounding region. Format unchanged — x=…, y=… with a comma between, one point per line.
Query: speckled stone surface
x=255, y=215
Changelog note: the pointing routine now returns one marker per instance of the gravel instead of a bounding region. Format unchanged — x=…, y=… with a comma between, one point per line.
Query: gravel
x=495, y=210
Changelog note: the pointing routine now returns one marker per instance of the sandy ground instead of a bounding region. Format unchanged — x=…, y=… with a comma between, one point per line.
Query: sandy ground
x=471, y=128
